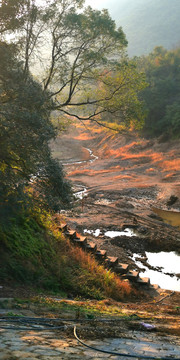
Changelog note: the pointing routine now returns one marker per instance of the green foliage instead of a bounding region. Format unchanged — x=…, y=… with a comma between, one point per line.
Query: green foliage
x=25, y=132
x=121, y=88
x=10, y=18
x=162, y=96
x=172, y=119
x=25, y=251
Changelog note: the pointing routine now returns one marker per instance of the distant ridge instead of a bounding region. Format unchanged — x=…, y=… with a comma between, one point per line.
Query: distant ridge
x=146, y=23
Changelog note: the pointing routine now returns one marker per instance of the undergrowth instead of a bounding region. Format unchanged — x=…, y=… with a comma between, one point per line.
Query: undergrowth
x=35, y=252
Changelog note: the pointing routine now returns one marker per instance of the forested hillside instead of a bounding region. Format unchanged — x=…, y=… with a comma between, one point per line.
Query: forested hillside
x=162, y=95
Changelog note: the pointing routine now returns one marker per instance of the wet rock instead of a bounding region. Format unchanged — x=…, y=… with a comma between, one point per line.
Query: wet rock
x=135, y=244
x=126, y=205
x=143, y=229
x=155, y=216
x=172, y=200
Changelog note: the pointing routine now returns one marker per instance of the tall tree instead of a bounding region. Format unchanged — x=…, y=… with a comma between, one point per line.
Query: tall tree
x=162, y=96
x=25, y=132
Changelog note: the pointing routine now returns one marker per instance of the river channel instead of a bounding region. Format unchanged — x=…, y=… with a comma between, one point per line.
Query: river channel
x=163, y=267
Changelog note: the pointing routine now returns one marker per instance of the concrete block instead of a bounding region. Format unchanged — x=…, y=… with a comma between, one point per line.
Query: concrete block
x=91, y=247
x=101, y=254
x=111, y=261
x=122, y=268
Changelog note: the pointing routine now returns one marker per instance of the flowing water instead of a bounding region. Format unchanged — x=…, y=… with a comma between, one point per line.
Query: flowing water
x=80, y=194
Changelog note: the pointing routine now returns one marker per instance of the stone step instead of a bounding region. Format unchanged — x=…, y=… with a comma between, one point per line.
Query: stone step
x=155, y=286
x=71, y=234
x=132, y=275
x=122, y=268
x=101, y=254
x=111, y=261
x=91, y=247
x=80, y=240
x=144, y=281
x=63, y=227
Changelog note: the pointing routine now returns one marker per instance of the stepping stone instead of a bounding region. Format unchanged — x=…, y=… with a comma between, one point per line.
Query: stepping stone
x=101, y=254
x=63, y=227
x=80, y=240
x=155, y=286
x=122, y=268
x=71, y=234
x=91, y=247
x=144, y=281
x=132, y=275
x=111, y=261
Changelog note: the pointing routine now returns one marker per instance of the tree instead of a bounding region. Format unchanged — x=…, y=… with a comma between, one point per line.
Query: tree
x=73, y=47
x=25, y=132
x=118, y=94
x=171, y=120
x=162, y=96
x=11, y=15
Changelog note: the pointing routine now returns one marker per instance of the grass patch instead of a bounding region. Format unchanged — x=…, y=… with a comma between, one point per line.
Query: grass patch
x=34, y=251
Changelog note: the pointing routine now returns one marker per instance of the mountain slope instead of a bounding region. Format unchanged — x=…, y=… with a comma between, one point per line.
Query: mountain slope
x=149, y=23
x=146, y=23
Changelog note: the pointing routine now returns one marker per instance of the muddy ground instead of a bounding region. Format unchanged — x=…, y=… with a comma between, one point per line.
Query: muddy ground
x=126, y=178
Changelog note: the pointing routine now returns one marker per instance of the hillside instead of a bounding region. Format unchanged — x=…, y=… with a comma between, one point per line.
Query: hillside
x=147, y=23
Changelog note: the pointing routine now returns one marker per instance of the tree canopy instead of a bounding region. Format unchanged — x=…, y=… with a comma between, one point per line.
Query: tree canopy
x=162, y=96
x=72, y=49
x=25, y=132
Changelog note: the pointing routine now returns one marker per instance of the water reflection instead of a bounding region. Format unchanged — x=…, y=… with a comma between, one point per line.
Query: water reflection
x=93, y=232
x=168, y=262
x=111, y=234
x=169, y=217
x=126, y=232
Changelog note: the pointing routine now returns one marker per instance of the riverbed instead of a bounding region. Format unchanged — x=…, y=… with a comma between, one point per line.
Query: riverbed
x=118, y=182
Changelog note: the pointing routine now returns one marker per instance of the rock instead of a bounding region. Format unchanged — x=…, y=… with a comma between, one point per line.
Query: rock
x=172, y=200
x=148, y=327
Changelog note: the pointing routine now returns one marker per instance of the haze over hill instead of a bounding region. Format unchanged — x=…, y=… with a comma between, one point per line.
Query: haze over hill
x=146, y=23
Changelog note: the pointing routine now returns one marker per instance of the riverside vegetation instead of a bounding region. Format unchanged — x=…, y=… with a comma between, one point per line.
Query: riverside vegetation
x=34, y=251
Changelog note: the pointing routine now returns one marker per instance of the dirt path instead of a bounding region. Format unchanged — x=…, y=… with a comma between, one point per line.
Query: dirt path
x=30, y=331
